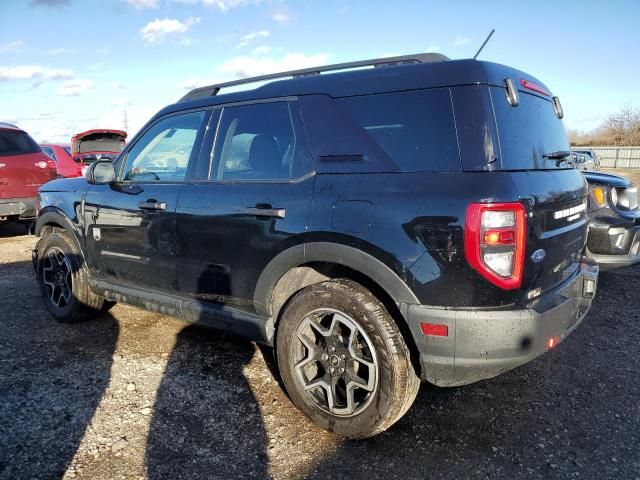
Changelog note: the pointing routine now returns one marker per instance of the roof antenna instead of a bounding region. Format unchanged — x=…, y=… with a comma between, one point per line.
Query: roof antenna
x=484, y=43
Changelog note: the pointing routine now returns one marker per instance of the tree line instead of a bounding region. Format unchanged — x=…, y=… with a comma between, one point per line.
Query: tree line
x=619, y=129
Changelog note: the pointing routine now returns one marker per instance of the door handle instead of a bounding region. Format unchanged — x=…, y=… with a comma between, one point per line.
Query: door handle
x=265, y=212
x=153, y=205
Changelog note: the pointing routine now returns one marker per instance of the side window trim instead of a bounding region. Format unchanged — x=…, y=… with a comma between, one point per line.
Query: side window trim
x=123, y=158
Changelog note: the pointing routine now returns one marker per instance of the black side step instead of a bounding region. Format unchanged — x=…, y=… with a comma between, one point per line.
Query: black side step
x=254, y=327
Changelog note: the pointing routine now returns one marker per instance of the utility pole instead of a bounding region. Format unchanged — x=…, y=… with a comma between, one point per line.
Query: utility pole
x=125, y=120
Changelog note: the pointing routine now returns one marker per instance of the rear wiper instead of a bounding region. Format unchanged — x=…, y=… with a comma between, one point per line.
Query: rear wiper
x=558, y=156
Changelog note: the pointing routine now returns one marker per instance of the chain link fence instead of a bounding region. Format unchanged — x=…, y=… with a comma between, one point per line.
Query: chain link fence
x=616, y=157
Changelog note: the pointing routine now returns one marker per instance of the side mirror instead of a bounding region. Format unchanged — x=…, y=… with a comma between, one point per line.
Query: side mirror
x=101, y=173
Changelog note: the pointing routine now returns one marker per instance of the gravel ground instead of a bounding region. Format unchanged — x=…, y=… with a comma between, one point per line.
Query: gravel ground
x=135, y=394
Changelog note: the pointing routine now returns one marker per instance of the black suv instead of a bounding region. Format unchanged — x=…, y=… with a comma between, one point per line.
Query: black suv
x=415, y=220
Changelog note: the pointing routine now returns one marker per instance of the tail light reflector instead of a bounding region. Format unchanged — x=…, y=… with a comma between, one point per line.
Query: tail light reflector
x=494, y=245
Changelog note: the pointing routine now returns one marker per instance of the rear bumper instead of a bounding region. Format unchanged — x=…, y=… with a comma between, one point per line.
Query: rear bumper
x=624, y=247
x=484, y=343
x=23, y=208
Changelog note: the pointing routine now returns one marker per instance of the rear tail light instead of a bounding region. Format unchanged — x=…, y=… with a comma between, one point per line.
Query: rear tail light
x=494, y=243
x=44, y=164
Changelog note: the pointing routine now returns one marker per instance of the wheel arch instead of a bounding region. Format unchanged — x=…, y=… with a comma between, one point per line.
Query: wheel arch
x=53, y=217
x=307, y=264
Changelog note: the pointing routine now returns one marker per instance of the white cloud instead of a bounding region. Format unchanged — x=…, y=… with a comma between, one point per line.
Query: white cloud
x=250, y=37
x=11, y=47
x=119, y=101
x=157, y=30
x=281, y=16
x=119, y=85
x=104, y=50
x=29, y=72
x=460, y=40
x=55, y=51
x=244, y=66
x=141, y=4
x=433, y=49
x=262, y=50
x=73, y=88
x=222, y=5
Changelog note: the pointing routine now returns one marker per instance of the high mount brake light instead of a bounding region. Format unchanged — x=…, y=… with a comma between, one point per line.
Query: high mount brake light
x=534, y=87
x=494, y=243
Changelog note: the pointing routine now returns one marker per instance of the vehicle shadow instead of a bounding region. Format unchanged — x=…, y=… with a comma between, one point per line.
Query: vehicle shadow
x=52, y=378
x=207, y=423
x=13, y=230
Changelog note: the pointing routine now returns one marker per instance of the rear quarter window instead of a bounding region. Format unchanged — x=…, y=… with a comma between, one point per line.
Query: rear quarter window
x=415, y=129
x=528, y=131
x=17, y=143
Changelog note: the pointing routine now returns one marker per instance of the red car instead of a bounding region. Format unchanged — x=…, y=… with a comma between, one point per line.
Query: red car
x=24, y=167
x=61, y=154
x=98, y=144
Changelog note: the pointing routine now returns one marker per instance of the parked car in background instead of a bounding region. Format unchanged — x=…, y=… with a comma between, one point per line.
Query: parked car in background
x=24, y=168
x=585, y=160
x=97, y=144
x=67, y=166
x=378, y=227
x=614, y=221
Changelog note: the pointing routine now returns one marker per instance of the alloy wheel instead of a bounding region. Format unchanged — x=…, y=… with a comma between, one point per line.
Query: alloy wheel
x=335, y=362
x=57, y=277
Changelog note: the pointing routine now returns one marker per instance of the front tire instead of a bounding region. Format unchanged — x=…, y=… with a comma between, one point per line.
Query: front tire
x=64, y=280
x=343, y=359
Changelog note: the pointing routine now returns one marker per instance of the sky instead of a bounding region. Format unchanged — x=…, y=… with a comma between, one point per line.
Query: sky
x=72, y=65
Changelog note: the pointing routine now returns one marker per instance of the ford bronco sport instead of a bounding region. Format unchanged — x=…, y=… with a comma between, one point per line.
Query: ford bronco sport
x=418, y=220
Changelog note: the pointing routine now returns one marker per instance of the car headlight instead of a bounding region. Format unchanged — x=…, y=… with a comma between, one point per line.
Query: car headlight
x=625, y=198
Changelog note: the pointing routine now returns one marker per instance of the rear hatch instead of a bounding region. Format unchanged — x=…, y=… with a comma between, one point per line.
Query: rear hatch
x=98, y=144
x=24, y=167
x=535, y=151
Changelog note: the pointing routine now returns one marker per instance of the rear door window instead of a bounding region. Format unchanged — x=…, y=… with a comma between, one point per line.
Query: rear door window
x=415, y=129
x=528, y=131
x=262, y=141
x=17, y=143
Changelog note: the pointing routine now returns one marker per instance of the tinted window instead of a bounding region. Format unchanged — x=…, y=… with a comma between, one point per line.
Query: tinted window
x=67, y=149
x=17, y=143
x=528, y=131
x=262, y=141
x=416, y=129
x=163, y=152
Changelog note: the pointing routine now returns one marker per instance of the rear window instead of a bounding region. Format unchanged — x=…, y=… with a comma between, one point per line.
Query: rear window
x=101, y=142
x=17, y=143
x=415, y=129
x=528, y=131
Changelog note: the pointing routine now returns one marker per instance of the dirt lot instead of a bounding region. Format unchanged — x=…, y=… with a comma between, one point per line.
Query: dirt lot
x=138, y=395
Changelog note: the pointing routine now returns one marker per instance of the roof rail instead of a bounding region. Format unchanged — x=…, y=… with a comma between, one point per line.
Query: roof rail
x=212, y=90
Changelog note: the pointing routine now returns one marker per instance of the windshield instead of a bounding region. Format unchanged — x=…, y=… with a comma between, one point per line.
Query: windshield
x=529, y=132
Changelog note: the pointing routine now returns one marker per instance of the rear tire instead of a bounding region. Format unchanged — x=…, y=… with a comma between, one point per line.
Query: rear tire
x=343, y=359
x=64, y=280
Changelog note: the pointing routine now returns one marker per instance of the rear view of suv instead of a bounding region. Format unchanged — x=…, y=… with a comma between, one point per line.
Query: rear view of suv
x=418, y=220
x=24, y=167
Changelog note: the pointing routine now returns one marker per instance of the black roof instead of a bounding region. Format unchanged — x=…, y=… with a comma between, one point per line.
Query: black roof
x=371, y=80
